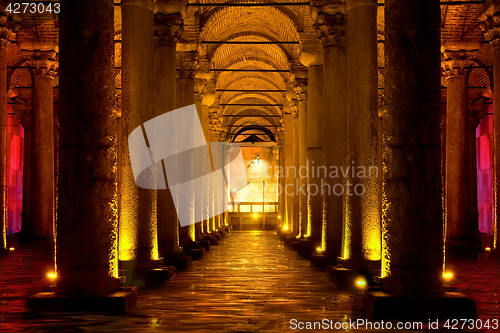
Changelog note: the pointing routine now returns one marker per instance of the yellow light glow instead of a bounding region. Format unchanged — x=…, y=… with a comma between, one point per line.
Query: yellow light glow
x=254, y=215
x=285, y=228
x=319, y=249
x=361, y=282
x=487, y=249
x=11, y=249
x=279, y=216
x=448, y=275
x=52, y=275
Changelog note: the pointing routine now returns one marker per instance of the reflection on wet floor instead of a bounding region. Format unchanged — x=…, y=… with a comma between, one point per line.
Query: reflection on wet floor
x=248, y=283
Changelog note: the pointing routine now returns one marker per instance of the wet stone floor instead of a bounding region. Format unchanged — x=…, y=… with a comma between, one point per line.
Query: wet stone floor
x=248, y=283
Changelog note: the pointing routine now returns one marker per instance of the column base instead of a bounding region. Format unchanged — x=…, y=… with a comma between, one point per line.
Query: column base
x=320, y=260
x=148, y=278
x=122, y=301
x=290, y=239
x=217, y=236
x=196, y=253
x=205, y=243
x=346, y=278
x=180, y=262
x=380, y=305
x=305, y=247
x=488, y=257
x=12, y=242
x=211, y=239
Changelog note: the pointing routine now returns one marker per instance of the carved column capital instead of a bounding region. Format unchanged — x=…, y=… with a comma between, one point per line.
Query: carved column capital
x=457, y=63
x=300, y=88
x=294, y=106
x=199, y=89
x=5, y=31
x=167, y=29
x=187, y=65
x=42, y=63
x=331, y=29
x=475, y=117
x=490, y=25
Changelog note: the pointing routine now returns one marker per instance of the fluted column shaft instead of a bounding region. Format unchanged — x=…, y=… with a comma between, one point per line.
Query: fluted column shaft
x=288, y=188
x=4, y=40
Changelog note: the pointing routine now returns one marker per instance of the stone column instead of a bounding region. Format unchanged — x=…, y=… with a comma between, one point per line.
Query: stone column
x=5, y=33
x=288, y=169
x=208, y=99
x=138, y=232
x=491, y=25
x=331, y=29
x=362, y=241
x=300, y=88
x=25, y=118
x=412, y=261
x=185, y=97
x=87, y=210
x=456, y=67
x=199, y=89
x=42, y=62
x=314, y=153
x=168, y=28
x=475, y=117
x=295, y=230
x=281, y=179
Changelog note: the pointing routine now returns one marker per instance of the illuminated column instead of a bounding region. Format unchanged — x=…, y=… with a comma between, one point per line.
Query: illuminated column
x=25, y=118
x=362, y=224
x=43, y=64
x=295, y=230
x=475, y=117
x=87, y=210
x=456, y=67
x=491, y=19
x=199, y=89
x=5, y=33
x=281, y=179
x=300, y=87
x=331, y=29
x=289, y=188
x=412, y=260
x=138, y=233
x=185, y=97
x=314, y=153
x=208, y=99
x=168, y=29
x=213, y=193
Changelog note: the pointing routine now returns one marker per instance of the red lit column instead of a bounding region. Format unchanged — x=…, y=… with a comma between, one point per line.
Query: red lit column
x=87, y=209
x=475, y=117
x=412, y=260
x=4, y=40
x=43, y=64
x=331, y=29
x=456, y=67
x=168, y=28
x=491, y=19
x=138, y=233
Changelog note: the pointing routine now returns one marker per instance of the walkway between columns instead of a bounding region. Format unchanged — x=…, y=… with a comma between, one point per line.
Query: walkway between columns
x=249, y=282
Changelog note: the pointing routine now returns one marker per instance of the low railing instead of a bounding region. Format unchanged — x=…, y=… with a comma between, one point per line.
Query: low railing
x=251, y=207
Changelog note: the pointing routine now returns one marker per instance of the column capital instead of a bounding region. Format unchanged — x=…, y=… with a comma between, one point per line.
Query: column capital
x=294, y=106
x=490, y=25
x=5, y=32
x=331, y=29
x=457, y=63
x=167, y=29
x=187, y=65
x=42, y=63
x=300, y=88
x=199, y=89
x=475, y=116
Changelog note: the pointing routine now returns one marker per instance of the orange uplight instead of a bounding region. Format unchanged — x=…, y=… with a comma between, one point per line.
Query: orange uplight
x=319, y=249
x=448, y=275
x=52, y=275
x=279, y=216
x=361, y=282
x=487, y=249
x=254, y=215
x=285, y=228
x=11, y=249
